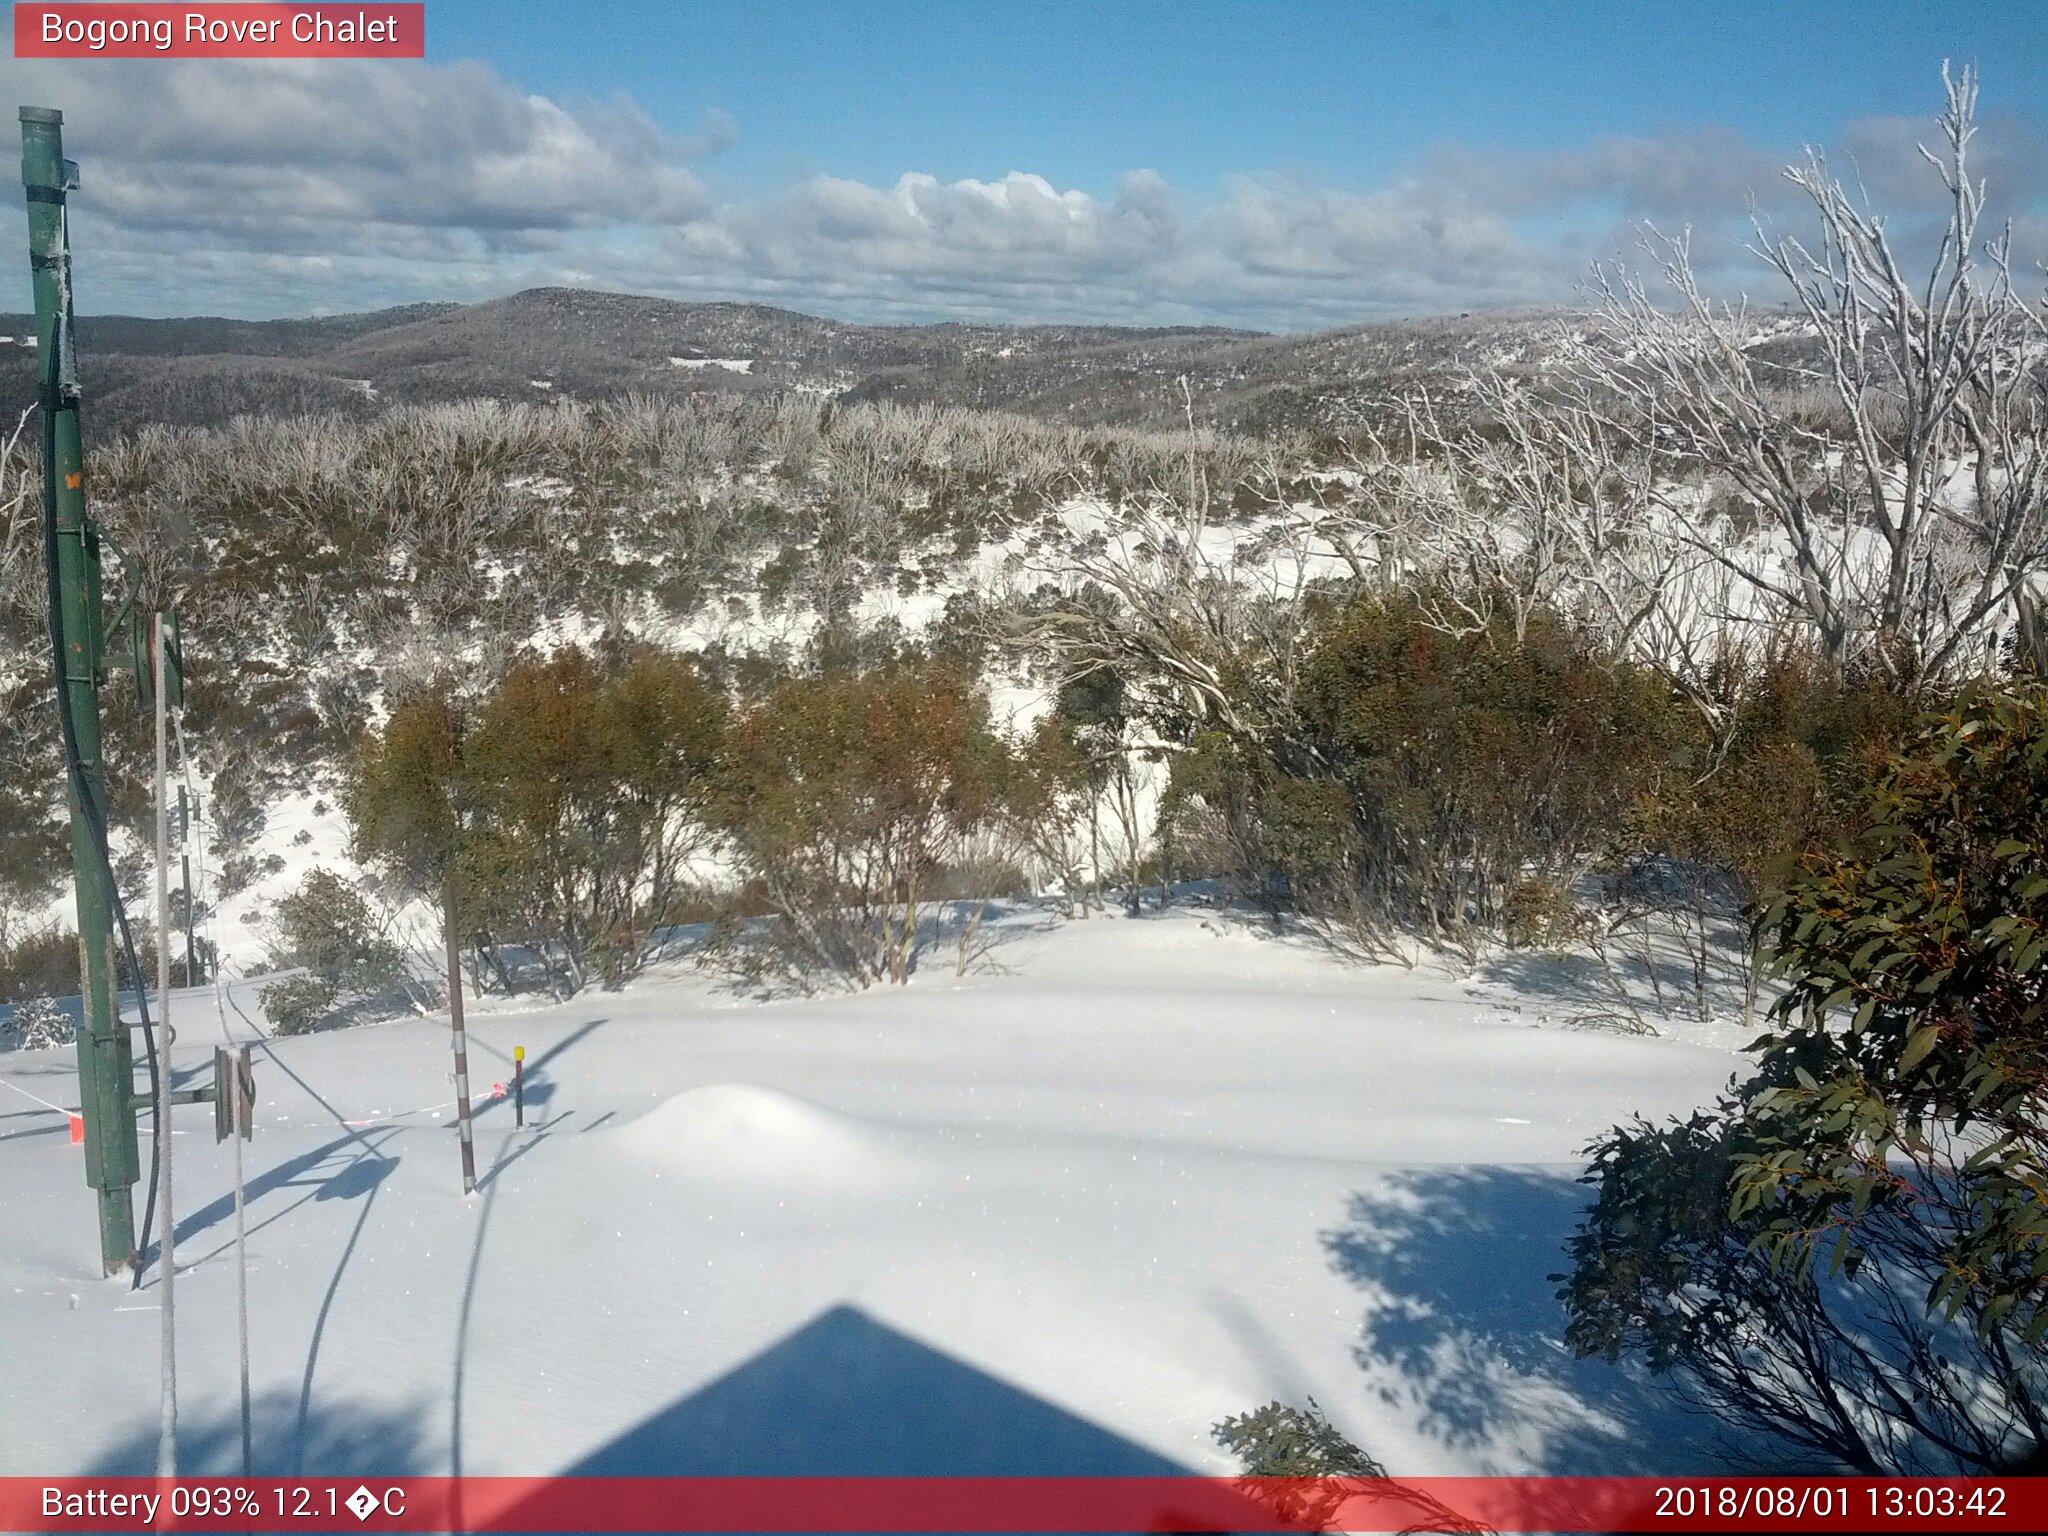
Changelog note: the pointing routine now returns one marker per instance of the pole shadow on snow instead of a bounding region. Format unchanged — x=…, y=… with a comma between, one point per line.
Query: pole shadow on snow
x=484, y=1047
x=41, y=1127
x=1465, y=1332
x=365, y=1169
x=359, y=1178
x=534, y=1134
x=458, y=1377
x=540, y=1087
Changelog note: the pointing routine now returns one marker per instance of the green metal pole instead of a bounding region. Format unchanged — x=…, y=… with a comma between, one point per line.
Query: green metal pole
x=106, y=1067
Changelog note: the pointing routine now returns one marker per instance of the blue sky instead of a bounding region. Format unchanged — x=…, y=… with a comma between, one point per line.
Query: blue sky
x=1081, y=93
x=1277, y=164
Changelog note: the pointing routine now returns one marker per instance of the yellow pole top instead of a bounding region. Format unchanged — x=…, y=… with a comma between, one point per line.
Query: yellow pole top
x=519, y=1053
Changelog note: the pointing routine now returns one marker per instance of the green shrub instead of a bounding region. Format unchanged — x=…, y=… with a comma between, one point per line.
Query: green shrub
x=328, y=929
x=1850, y=1252
x=42, y=965
x=1539, y=915
x=561, y=811
x=1280, y=1440
x=297, y=1005
x=1798, y=755
x=846, y=796
x=1302, y=1468
x=1429, y=773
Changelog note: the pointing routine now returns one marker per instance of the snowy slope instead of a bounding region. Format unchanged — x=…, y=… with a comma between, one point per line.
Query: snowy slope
x=1061, y=1215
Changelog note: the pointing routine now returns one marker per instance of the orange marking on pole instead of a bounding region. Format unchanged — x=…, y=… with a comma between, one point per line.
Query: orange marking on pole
x=78, y=1130
x=74, y=480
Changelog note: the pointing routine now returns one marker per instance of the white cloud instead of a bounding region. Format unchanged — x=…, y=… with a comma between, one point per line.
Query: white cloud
x=290, y=187
x=392, y=160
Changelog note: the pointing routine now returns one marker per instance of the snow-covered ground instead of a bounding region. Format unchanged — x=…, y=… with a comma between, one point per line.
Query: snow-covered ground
x=1062, y=1214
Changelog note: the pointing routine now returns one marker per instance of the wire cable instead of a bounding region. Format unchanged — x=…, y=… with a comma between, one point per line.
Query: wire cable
x=192, y=846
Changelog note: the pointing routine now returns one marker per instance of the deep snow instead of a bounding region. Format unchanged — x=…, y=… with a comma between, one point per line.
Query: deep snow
x=1060, y=1215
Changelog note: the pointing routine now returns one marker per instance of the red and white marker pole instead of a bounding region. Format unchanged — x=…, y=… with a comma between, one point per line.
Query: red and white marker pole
x=452, y=943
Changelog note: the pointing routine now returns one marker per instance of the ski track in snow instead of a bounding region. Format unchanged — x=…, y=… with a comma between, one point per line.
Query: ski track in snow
x=1063, y=1215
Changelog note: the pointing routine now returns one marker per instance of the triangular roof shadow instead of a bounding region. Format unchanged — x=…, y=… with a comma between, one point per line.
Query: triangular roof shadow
x=846, y=1396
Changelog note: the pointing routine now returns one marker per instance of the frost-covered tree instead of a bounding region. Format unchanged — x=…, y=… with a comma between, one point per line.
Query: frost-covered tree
x=38, y=1024
x=1897, y=459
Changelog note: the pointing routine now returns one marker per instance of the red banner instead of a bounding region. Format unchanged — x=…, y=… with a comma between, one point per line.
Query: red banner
x=214, y=31
x=1009, y=1504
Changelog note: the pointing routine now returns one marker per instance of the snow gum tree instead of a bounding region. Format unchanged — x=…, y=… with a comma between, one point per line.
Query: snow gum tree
x=328, y=929
x=842, y=796
x=403, y=795
x=1093, y=711
x=561, y=810
x=1052, y=795
x=1851, y=1251
x=590, y=787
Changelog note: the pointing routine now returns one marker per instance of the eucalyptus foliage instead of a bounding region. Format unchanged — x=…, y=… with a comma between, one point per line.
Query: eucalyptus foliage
x=1851, y=1249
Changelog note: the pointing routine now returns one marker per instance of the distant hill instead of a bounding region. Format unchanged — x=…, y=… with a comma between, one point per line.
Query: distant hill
x=586, y=342
x=563, y=342
x=543, y=341
x=1247, y=382
x=209, y=334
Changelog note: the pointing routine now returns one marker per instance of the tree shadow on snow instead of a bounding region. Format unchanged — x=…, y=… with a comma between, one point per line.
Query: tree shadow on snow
x=1571, y=985
x=1648, y=977
x=1464, y=1331
x=1240, y=913
x=759, y=959
x=339, y=1438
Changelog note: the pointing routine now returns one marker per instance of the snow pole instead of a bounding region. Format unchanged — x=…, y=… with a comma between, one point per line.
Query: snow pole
x=167, y=1269
x=453, y=945
x=242, y=1296
x=234, y=1119
x=185, y=883
x=106, y=1062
